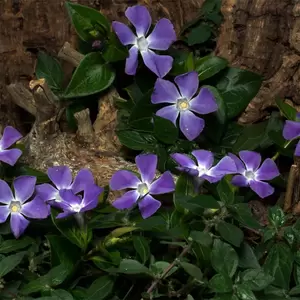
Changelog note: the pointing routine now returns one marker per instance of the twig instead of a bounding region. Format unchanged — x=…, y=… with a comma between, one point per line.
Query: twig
x=85, y=128
x=69, y=54
x=290, y=188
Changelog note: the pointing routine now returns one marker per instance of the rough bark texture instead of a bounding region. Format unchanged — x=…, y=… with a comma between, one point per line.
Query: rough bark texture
x=32, y=25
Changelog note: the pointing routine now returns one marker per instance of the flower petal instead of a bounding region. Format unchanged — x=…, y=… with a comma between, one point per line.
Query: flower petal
x=10, y=156
x=140, y=18
x=35, y=209
x=65, y=214
x=6, y=195
x=251, y=159
x=297, y=150
x=267, y=171
x=124, y=179
x=148, y=206
x=212, y=179
x=188, y=84
x=164, y=184
x=225, y=166
x=262, y=189
x=158, y=64
x=204, y=102
x=61, y=176
x=240, y=166
x=90, y=197
x=239, y=180
x=162, y=36
x=291, y=130
x=184, y=160
x=69, y=199
x=18, y=224
x=83, y=179
x=126, y=201
x=132, y=61
x=190, y=125
x=169, y=112
x=164, y=92
x=4, y=213
x=24, y=187
x=10, y=136
x=124, y=33
x=147, y=164
x=204, y=158
x=46, y=191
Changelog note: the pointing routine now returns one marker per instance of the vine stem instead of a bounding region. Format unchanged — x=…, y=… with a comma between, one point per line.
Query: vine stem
x=284, y=147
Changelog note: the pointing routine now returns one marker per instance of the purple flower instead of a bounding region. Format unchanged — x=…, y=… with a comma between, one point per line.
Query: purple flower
x=10, y=136
x=253, y=172
x=17, y=206
x=183, y=104
x=142, y=189
x=162, y=36
x=204, y=166
x=73, y=204
x=61, y=177
x=291, y=130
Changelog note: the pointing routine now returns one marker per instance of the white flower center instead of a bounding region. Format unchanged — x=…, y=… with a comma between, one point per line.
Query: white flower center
x=202, y=170
x=142, y=43
x=182, y=104
x=77, y=207
x=15, y=206
x=142, y=189
x=58, y=198
x=250, y=175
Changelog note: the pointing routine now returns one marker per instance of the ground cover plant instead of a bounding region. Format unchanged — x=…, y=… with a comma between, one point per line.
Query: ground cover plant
x=209, y=212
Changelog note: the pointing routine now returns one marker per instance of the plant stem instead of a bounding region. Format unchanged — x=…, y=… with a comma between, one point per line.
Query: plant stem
x=284, y=147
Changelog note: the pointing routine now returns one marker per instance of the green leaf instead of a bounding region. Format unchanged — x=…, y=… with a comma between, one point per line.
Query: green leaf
x=164, y=130
x=61, y=295
x=279, y=264
x=256, y=279
x=49, y=68
x=209, y=66
x=221, y=283
x=202, y=238
x=268, y=234
x=141, y=246
x=192, y=270
x=230, y=233
x=244, y=293
x=295, y=290
x=238, y=87
x=100, y=289
x=199, y=34
x=91, y=76
x=247, y=258
x=276, y=216
x=131, y=266
x=224, y=259
x=15, y=245
x=89, y=23
x=8, y=263
x=136, y=140
x=114, y=51
x=226, y=191
x=288, y=111
x=160, y=266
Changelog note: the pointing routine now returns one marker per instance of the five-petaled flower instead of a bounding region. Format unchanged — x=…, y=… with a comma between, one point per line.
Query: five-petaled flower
x=18, y=206
x=252, y=172
x=183, y=104
x=204, y=167
x=142, y=189
x=61, y=177
x=10, y=136
x=161, y=38
x=291, y=130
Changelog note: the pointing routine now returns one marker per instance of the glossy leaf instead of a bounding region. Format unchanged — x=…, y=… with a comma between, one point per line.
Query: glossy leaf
x=131, y=266
x=221, y=283
x=247, y=257
x=256, y=279
x=202, y=238
x=230, y=233
x=192, y=270
x=100, y=289
x=244, y=292
x=209, y=66
x=288, y=111
x=164, y=130
x=15, y=245
x=225, y=191
x=8, y=263
x=114, y=51
x=141, y=246
x=199, y=34
x=160, y=266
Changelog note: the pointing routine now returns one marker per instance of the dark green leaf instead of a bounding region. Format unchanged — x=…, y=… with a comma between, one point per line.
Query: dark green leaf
x=203, y=255
x=209, y=66
x=100, y=289
x=276, y=216
x=114, y=51
x=221, y=283
x=160, y=266
x=91, y=76
x=295, y=291
x=225, y=191
x=199, y=34
x=136, y=140
x=256, y=279
x=89, y=23
x=288, y=111
x=279, y=264
x=238, y=87
x=247, y=258
x=8, y=263
x=15, y=245
x=198, y=203
x=202, y=238
x=164, y=130
x=49, y=68
x=210, y=6
x=131, y=266
x=245, y=293
x=268, y=234
x=61, y=295
x=192, y=270
x=230, y=233
x=141, y=246
x=224, y=259
x=230, y=137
